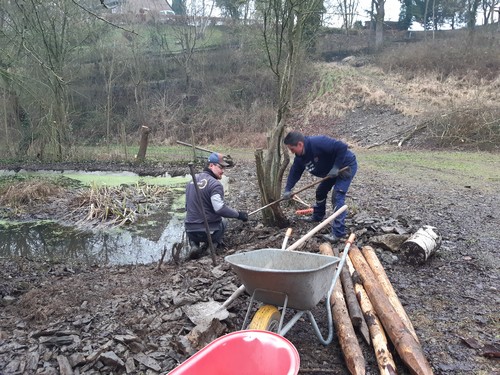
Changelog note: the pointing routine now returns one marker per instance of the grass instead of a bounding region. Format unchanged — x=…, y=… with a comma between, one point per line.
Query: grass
x=463, y=168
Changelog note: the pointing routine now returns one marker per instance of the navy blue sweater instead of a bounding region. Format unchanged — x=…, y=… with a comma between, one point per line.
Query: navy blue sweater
x=321, y=154
x=209, y=187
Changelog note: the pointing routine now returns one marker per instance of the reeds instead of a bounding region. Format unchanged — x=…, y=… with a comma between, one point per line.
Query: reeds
x=117, y=206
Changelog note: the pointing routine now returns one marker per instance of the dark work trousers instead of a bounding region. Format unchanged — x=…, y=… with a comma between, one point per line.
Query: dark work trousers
x=217, y=235
x=340, y=187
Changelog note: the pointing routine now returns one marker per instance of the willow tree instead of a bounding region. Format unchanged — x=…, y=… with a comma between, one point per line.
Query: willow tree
x=284, y=25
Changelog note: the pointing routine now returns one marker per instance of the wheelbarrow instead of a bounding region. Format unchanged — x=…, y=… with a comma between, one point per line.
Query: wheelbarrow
x=287, y=279
x=249, y=352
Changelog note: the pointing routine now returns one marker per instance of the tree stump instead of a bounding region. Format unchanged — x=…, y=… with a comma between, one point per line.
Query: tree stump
x=141, y=155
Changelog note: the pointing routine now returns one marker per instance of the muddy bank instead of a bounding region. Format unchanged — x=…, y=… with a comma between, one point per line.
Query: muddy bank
x=132, y=319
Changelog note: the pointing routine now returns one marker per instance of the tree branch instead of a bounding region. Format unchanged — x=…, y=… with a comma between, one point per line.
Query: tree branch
x=101, y=18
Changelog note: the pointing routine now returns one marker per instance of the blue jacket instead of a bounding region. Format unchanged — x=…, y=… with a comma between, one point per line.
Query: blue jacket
x=321, y=154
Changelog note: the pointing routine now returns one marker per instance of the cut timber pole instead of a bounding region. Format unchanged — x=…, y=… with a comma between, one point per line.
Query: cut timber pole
x=143, y=145
x=407, y=347
x=385, y=361
x=355, y=313
x=378, y=270
x=347, y=337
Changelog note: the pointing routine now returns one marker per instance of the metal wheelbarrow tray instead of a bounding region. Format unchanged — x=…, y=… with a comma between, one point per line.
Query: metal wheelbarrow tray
x=294, y=279
x=304, y=277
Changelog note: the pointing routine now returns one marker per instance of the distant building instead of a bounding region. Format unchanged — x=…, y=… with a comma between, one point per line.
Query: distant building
x=139, y=7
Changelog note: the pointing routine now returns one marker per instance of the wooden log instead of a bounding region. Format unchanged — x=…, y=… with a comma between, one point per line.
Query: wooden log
x=143, y=145
x=348, y=341
x=355, y=313
x=407, y=347
x=385, y=361
x=377, y=268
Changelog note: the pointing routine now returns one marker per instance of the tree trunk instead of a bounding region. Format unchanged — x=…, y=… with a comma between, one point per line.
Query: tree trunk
x=348, y=341
x=385, y=283
x=379, y=24
x=141, y=155
x=385, y=361
x=407, y=347
x=270, y=189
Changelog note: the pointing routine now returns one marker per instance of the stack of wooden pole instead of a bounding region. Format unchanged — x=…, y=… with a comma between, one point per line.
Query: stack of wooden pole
x=382, y=313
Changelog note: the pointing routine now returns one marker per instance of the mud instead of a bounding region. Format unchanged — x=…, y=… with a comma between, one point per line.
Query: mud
x=452, y=299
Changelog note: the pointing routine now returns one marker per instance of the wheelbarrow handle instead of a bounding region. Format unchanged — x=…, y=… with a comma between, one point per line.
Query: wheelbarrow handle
x=348, y=244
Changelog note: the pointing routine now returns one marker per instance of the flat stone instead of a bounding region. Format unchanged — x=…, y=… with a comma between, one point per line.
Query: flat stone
x=64, y=366
x=111, y=359
x=147, y=361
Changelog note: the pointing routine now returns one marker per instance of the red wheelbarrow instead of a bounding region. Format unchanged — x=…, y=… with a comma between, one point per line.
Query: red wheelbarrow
x=249, y=352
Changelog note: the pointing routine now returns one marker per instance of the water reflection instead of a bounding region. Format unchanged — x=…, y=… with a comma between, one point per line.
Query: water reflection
x=142, y=243
x=53, y=241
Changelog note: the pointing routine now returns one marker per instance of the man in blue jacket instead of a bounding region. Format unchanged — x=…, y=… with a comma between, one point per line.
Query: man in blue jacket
x=322, y=156
x=216, y=210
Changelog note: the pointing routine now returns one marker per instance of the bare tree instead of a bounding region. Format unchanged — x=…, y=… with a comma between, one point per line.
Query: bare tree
x=378, y=17
x=46, y=34
x=188, y=30
x=111, y=68
x=283, y=29
x=348, y=10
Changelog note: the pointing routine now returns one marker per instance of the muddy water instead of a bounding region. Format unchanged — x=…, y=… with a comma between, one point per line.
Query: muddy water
x=144, y=243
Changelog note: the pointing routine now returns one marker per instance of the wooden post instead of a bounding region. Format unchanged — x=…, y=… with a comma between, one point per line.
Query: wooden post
x=385, y=361
x=355, y=313
x=347, y=337
x=385, y=283
x=141, y=155
x=407, y=347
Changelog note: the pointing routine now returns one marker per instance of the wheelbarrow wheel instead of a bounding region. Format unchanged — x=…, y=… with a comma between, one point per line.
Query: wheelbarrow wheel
x=266, y=318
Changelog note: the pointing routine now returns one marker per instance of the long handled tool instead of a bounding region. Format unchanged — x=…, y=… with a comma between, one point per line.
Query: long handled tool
x=226, y=158
x=190, y=145
x=298, y=191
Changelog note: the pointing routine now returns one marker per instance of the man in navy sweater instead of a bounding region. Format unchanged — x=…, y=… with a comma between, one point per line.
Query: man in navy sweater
x=216, y=210
x=322, y=156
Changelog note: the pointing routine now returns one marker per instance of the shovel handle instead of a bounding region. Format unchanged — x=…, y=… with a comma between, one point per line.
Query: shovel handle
x=317, y=228
x=287, y=236
x=190, y=145
x=298, y=191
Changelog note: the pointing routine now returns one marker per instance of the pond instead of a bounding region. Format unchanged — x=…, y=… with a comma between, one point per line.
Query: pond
x=143, y=242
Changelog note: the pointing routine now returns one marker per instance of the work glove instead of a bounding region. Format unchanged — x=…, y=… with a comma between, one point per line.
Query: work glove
x=334, y=172
x=287, y=194
x=243, y=216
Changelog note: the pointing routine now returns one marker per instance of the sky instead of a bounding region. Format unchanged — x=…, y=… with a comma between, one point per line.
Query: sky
x=391, y=11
